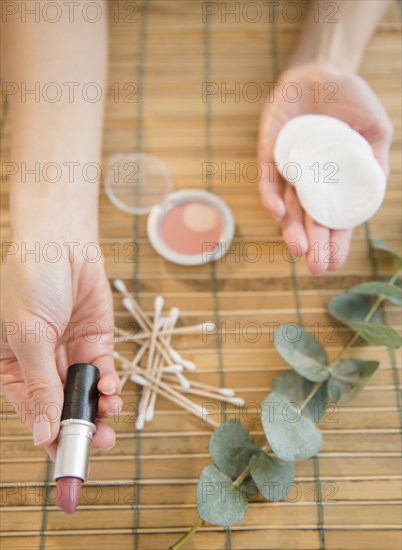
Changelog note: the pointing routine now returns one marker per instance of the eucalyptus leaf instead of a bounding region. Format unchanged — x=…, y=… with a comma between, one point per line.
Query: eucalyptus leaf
x=386, y=291
x=377, y=334
x=383, y=246
x=349, y=376
x=291, y=435
x=231, y=448
x=219, y=501
x=299, y=349
x=272, y=476
x=295, y=388
x=350, y=307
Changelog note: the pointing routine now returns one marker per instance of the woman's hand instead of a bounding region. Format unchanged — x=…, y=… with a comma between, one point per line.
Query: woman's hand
x=325, y=90
x=54, y=314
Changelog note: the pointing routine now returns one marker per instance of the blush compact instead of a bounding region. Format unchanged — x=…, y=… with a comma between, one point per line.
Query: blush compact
x=186, y=227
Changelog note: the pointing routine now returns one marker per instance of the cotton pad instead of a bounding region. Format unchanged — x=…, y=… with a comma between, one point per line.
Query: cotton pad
x=339, y=182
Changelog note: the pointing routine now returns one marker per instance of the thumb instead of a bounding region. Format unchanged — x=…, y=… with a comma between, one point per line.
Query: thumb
x=43, y=389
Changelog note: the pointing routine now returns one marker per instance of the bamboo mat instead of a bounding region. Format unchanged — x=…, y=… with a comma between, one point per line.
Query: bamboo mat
x=142, y=492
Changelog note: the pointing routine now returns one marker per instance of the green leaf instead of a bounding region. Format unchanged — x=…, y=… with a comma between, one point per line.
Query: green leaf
x=295, y=388
x=386, y=291
x=383, y=246
x=272, y=477
x=349, y=376
x=350, y=307
x=377, y=334
x=291, y=435
x=231, y=448
x=299, y=349
x=219, y=501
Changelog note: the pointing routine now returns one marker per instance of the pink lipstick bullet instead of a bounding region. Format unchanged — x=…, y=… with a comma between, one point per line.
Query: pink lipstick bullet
x=78, y=424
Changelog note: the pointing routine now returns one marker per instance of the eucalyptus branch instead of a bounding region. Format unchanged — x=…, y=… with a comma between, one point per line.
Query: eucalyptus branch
x=246, y=471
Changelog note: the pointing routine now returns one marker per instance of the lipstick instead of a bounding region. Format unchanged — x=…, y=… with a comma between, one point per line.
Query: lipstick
x=78, y=424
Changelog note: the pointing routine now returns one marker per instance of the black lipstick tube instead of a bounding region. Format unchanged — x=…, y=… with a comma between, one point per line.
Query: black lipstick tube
x=78, y=421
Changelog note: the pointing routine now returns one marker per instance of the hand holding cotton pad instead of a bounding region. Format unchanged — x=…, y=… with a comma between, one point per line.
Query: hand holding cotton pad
x=338, y=181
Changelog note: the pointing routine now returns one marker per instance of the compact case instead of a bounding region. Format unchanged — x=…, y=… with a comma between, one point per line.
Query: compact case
x=186, y=227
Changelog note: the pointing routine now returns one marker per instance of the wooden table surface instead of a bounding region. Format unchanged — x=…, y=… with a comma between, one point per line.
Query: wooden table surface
x=142, y=492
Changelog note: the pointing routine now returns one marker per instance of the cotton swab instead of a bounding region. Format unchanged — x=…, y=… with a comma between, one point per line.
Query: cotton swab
x=170, y=322
x=226, y=392
x=201, y=327
x=171, y=369
x=207, y=327
x=142, y=319
x=232, y=400
x=128, y=303
x=175, y=355
x=158, y=306
x=184, y=383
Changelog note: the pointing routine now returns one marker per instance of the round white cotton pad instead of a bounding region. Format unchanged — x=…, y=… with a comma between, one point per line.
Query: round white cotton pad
x=338, y=180
x=340, y=186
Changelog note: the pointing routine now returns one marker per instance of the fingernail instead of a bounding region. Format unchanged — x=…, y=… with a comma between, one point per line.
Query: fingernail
x=41, y=429
x=110, y=385
x=109, y=391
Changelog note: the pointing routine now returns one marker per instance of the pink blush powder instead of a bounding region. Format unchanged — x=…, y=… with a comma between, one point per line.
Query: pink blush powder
x=191, y=228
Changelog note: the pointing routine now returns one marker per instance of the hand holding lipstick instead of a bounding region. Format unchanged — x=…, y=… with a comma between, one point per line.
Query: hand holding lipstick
x=54, y=315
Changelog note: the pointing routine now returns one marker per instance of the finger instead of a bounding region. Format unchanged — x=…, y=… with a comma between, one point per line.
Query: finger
x=318, y=237
x=14, y=388
x=109, y=384
x=270, y=192
x=293, y=230
x=109, y=405
x=339, y=248
x=380, y=137
x=43, y=388
x=104, y=437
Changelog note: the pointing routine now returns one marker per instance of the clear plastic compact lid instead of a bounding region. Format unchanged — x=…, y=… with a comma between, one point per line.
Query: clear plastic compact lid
x=136, y=182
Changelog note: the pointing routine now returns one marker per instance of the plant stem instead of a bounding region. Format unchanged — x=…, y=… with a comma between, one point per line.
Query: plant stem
x=311, y=394
x=239, y=480
x=245, y=473
x=188, y=535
